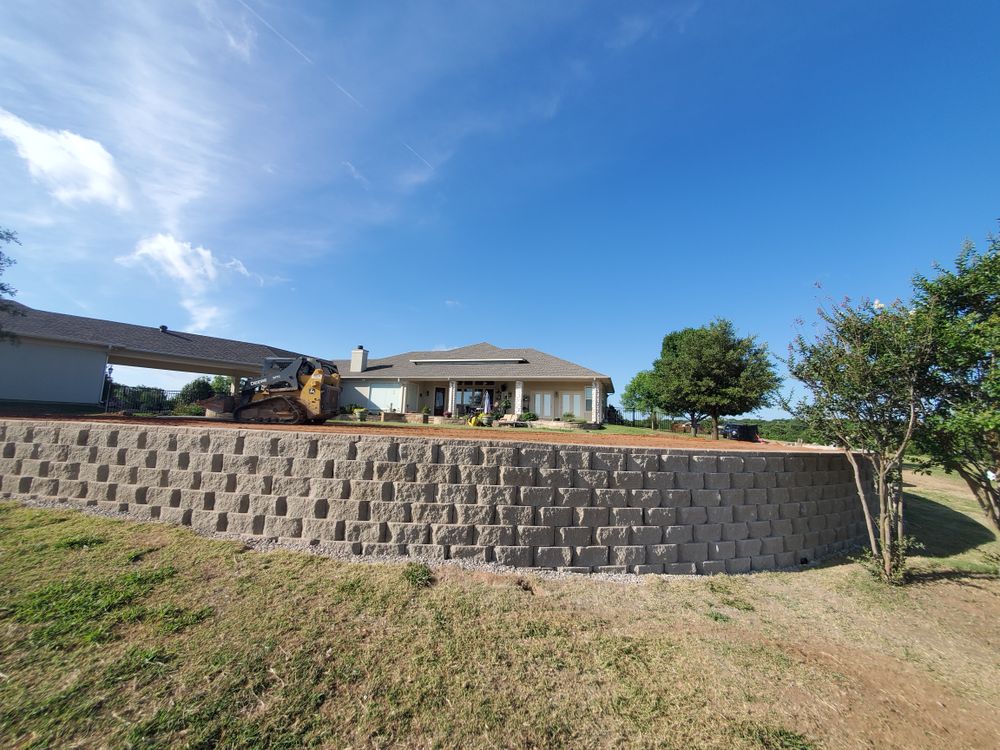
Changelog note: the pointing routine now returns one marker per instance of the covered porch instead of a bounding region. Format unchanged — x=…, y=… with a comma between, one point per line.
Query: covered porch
x=547, y=399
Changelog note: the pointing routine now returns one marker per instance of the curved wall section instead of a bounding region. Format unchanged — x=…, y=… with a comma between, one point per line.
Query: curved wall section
x=577, y=508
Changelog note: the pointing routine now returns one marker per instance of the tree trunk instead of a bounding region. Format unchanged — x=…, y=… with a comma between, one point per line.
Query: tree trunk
x=869, y=521
x=694, y=424
x=987, y=497
x=715, y=426
x=885, y=520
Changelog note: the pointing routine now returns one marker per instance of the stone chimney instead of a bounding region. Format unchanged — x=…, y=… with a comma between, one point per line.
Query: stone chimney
x=359, y=359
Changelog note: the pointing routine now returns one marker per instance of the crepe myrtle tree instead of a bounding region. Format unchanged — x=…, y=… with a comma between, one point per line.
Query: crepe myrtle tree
x=712, y=372
x=961, y=430
x=865, y=373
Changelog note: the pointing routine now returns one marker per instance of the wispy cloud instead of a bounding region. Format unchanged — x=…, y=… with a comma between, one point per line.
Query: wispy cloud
x=452, y=303
x=634, y=27
x=73, y=168
x=355, y=173
x=196, y=271
x=240, y=35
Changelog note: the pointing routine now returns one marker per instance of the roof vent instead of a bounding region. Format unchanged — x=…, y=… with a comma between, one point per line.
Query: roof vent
x=163, y=329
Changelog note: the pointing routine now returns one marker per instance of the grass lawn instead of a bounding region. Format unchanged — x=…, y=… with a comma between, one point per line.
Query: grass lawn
x=117, y=634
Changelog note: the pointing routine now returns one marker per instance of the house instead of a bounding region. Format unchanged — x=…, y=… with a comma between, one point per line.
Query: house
x=457, y=381
x=61, y=358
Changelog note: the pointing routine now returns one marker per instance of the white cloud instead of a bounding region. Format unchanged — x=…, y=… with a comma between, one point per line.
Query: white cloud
x=240, y=36
x=630, y=30
x=196, y=270
x=357, y=175
x=73, y=168
x=452, y=303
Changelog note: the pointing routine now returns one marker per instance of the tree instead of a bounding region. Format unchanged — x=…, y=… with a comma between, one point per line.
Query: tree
x=961, y=431
x=641, y=394
x=6, y=290
x=711, y=372
x=864, y=374
x=196, y=390
x=222, y=385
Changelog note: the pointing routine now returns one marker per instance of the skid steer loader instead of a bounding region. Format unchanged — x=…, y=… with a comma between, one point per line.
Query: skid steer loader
x=289, y=390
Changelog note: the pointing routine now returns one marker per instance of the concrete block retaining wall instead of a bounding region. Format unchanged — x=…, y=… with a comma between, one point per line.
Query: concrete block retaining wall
x=579, y=508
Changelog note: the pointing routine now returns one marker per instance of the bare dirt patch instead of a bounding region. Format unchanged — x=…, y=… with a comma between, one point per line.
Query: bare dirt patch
x=483, y=433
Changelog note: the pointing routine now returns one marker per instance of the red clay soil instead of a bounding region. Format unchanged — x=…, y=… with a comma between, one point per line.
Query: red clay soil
x=576, y=437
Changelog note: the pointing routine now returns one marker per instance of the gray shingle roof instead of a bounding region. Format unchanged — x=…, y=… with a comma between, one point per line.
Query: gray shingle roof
x=104, y=333
x=535, y=364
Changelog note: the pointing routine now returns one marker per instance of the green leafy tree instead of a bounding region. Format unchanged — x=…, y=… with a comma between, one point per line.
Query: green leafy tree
x=221, y=385
x=864, y=374
x=641, y=394
x=710, y=372
x=7, y=237
x=961, y=431
x=196, y=390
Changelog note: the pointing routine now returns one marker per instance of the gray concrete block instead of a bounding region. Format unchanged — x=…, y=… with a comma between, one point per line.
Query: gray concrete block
x=754, y=464
x=646, y=535
x=436, y=473
x=568, y=459
x=762, y=562
x=432, y=513
x=721, y=514
x=678, y=534
x=628, y=555
x=675, y=498
x=388, y=511
x=712, y=567
x=734, y=531
x=488, y=494
x=456, y=493
x=785, y=560
x=660, y=516
x=282, y=526
x=418, y=452
x=661, y=553
x=475, y=553
x=227, y=483
x=257, y=484
x=322, y=529
x=578, y=569
x=626, y=480
x=574, y=536
x=319, y=468
x=343, y=548
x=775, y=463
x=479, y=475
x=658, y=480
x=452, y=533
x=515, y=515
x=553, y=557
x=494, y=455
x=648, y=569
x=693, y=552
x=346, y=469
x=453, y=453
x=181, y=516
x=609, y=498
x=608, y=461
x=514, y=557
x=414, y=492
x=536, y=496
x=517, y=476
x=692, y=516
x=349, y=510
x=643, y=462
x=706, y=498
x=772, y=545
x=364, y=531
x=748, y=547
x=491, y=535
x=539, y=458
x=427, y=551
x=571, y=497
x=738, y=565
x=644, y=498
x=704, y=464
x=361, y=489
x=409, y=533
x=592, y=478
x=276, y=466
x=759, y=529
x=590, y=517
x=612, y=535
x=301, y=507
x=475, y=514
x=611, y=569
x=371, y=449
x=535, y=536
x=744, y=513
x=383, y=549
x=208, y=521
x=721, y=550
x=554, y=478
x=553, y=516
x=71, y=489
x=681, y=569
x=707, y=532
x=625, y=516
x=391, y=471
x=590, y=556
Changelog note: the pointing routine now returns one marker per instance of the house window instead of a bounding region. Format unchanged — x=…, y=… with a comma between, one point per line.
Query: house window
x=571, y=403
x=588, y=397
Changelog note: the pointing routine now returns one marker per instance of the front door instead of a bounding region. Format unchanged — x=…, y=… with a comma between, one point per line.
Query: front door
x=439, y=401
x=543, y=405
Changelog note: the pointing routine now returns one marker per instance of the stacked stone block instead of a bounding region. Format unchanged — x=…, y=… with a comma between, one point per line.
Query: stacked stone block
x=574, y=508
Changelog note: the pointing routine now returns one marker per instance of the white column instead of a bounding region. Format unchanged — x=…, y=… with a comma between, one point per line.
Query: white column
x=518, y=398
x=451, y=397
x=596, y=412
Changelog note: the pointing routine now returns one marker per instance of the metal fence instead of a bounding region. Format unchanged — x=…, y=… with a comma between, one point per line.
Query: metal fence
x=139, y=399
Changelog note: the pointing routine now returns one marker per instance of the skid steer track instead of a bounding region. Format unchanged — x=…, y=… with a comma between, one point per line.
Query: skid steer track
x=275, y=410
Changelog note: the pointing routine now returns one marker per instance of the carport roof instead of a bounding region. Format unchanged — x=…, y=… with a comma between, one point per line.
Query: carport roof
x=144, y=346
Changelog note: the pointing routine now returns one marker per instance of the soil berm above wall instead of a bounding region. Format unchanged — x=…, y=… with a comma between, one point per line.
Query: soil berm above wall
x=520, y=503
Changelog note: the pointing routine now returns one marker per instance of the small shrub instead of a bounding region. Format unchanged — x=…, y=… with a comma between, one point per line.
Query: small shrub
x=188, y=410
x=529, y=416
x=719, y=616
x=418, y=575
x=426, y=410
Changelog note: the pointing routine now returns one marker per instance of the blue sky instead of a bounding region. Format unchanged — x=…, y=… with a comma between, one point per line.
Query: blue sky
x=578, y=177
